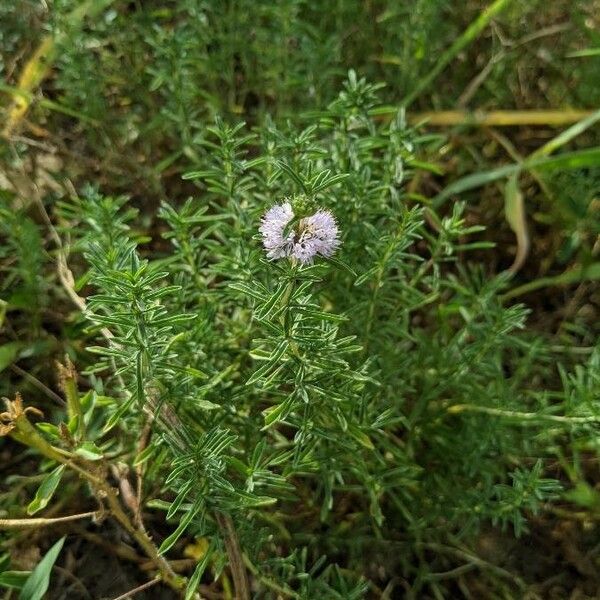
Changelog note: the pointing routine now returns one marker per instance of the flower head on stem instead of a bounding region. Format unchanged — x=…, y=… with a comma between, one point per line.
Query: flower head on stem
x=316, y=235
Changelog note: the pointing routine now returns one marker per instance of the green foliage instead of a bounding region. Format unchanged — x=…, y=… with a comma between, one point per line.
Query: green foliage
x=528, y=490
x=351, y=423
x=22, y=283
x=275, y=381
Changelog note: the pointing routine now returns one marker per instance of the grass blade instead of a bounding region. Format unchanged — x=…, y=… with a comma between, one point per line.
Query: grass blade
x=590, y=157
x=474, y=29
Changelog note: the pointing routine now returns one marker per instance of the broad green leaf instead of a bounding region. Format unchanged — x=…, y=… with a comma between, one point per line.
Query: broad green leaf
x=46, y=490
x=73, y=424
x=89, y=451
x=14, y=580
x=87, y=401
x=49, y=429
x=8, y=353
x=37, y=583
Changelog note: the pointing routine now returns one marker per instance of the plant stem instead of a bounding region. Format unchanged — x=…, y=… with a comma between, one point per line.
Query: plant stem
x=68, y=383
x=499, y=118
x=234, y=553
x=95, y=474
x=139, y=588
x=41, y=522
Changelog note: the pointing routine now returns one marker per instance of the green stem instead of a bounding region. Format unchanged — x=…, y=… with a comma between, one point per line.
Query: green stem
x=523, y=416
x=68, y=381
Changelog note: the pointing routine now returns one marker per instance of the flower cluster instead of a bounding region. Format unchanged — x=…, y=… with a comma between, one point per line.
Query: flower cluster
x=317, y=234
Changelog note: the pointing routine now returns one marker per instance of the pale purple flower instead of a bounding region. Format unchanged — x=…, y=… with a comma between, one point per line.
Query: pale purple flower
x=314, y=235
x=272, y=228
x=317, y=234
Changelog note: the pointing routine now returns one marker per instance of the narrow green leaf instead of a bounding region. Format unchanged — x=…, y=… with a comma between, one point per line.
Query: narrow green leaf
x=586, y=52
x=360, y=436
x=206, y=405
x=183, y=524
x=292, y=175
x=114, y=418
x=3, y=307
x=180, y=499
x=567, y=135
x=469, y=35
x=585, y=273
x=569, y=160
x=247, y=289
x=272, y=362
x=268, y=306
x=366, y=275
x=196, y=577
x=275, y=413
x=46, y=490
x=144, y=455
x=37, y=583
x=328, y=182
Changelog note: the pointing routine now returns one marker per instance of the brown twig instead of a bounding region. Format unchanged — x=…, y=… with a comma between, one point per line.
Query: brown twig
x=139, y=588
x=76, y=581
x=38, y=384
x=236, y=563
x=125, y=552
x=42, y=522
x=119, y=549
